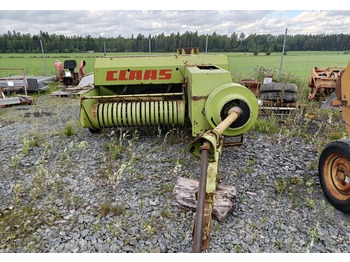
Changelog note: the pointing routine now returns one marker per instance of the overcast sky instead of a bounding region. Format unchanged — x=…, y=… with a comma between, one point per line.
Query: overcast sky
x=205, y=19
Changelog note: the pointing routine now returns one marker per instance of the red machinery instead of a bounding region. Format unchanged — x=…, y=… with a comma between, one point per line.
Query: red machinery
x=69, y=77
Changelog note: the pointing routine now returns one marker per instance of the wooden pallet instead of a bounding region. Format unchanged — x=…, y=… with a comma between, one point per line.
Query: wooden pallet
x=68, y=92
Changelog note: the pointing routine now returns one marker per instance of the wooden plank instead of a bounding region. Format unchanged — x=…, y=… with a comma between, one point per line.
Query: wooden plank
x=63, y=93
x=184, y=195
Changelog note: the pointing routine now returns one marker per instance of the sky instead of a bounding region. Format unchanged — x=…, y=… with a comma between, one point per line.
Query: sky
x=112, y=19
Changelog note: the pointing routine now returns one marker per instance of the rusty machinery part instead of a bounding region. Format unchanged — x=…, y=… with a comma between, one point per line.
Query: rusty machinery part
x=279, y=87
x=278, y=104
x=343, y=96
x=252, y=85
x=210, y=148
x=227, y=96
x=334, y=174
x=59, y=66
x=188, y=51
x=323, y=81
x=81, y=69
x=334, y=162
x=139, y=114
x=69, y=77
x=318, y=93
x=279, y=97
x=200, y=209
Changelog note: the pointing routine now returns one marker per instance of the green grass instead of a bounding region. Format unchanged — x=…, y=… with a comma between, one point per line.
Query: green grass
x=296, y=68
x=297, y=63
x=68, y=130
x=34, y=65
x=266, y=125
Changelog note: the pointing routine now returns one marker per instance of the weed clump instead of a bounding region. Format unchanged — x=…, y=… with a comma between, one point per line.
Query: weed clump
x=266, y=125
x=68, y=130
x=108, y=208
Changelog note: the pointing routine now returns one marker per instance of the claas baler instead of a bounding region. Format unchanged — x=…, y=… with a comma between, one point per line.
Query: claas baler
x=172, y=90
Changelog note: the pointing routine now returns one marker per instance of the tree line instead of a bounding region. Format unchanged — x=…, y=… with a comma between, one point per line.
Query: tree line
x=15, y=42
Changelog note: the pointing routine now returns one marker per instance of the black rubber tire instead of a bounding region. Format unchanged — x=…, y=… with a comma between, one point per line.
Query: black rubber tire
x=279, y=87
x=279, y=96
x=329, y=156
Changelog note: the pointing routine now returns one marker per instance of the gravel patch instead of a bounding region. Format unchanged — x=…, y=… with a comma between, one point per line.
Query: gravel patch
x=78, y=192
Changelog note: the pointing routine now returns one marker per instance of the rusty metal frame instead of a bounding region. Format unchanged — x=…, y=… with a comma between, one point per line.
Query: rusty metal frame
x=323, y=81
x=22, y=78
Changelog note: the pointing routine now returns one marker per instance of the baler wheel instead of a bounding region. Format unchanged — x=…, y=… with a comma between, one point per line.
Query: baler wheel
x=334, y=174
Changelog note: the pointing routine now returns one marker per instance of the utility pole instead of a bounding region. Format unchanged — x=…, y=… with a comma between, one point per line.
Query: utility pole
x=206, y=44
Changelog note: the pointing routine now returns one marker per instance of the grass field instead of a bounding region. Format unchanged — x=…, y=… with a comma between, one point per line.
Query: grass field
x=296, y=66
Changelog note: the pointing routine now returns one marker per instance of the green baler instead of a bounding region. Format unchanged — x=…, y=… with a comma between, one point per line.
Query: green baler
x=164, y=90
x=171, y=90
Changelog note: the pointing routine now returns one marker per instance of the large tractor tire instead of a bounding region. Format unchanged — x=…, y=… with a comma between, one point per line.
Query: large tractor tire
x=279, y=92
x=334, y=174
x=278, y=87
x=279, y=96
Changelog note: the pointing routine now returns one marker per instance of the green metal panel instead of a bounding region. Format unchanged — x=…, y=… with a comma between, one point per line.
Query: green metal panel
x=202, y=81
x=129, y=70
x=86, y=117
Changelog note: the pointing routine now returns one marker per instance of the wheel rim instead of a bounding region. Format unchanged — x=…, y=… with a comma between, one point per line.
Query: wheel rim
x=338, y=180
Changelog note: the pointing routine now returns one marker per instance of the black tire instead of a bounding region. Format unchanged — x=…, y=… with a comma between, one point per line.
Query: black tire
x=279, y=96
x=334, y=173
x=279, y=87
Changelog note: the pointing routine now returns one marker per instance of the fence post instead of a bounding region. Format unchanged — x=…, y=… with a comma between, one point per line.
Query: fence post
x=104, y=47
x=284, y=44
x=206, y=44
x=149, y=44
x=42, y=51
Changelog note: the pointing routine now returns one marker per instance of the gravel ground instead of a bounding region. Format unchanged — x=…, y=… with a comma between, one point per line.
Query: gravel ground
x=64, y=189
